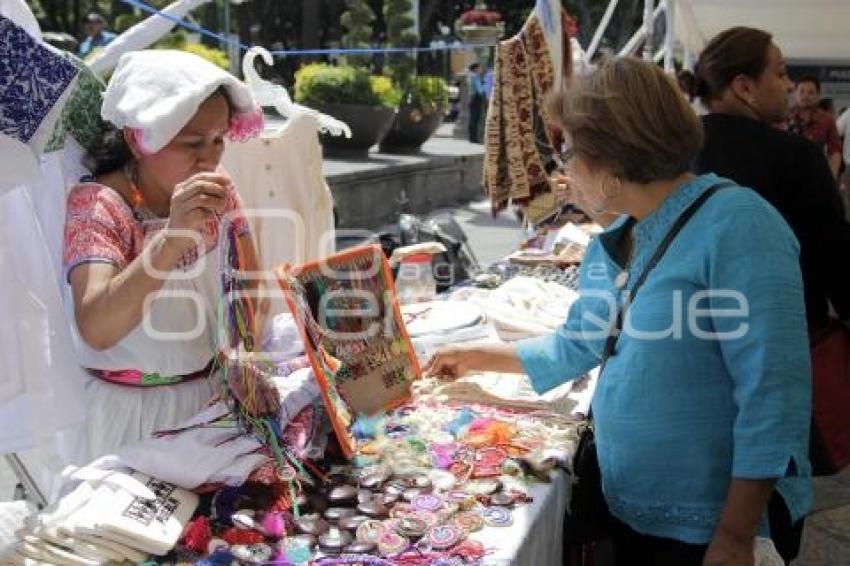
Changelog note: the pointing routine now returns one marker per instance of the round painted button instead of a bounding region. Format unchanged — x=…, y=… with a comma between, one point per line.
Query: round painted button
x=312, y=525
x=390, y=543
x=374, y=509
x=252, y=553
x=334, y=541
x=412, y=527
x=468, y=521
x=369, y=531
x=428, y=502
x=497, y=517
x=351, y=523
x=334, y=514
x=430, y=518
x=443, y=537
x=342, y=495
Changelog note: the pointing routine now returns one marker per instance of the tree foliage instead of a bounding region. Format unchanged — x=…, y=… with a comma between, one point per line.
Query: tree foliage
x=357, y=21
x=402, y=66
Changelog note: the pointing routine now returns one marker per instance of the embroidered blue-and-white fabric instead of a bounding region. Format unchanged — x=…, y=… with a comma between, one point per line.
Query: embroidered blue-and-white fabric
x=34, y=82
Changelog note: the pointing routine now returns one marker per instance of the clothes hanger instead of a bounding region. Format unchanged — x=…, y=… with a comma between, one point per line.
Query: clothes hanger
x=275, y=96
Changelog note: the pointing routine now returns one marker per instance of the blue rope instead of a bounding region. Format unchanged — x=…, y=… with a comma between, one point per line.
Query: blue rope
x=290, y=52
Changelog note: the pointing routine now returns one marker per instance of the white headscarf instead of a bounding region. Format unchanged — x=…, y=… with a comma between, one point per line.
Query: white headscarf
x=157, y=92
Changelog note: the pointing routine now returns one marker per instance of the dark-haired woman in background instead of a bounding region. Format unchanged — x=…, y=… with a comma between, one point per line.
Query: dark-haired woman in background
x=742, y=80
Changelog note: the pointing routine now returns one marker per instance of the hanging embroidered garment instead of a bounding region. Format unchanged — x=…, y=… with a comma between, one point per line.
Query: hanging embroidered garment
x=34, y=84
x=42, y=385
x=521, y=139
x=287, y=201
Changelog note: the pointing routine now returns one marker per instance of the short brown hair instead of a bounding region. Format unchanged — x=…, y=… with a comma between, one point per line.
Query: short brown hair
x=736, y=51
x=629, y=117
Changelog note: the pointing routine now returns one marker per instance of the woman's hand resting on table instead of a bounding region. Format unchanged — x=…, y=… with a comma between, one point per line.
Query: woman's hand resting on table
x=454, y=362
x=193, y=203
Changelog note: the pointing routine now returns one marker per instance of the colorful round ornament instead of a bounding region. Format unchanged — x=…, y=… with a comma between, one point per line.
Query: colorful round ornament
x=252, y=553
x=390, y=543
x=497, y=517
x=412, y=527
x=369, y=531
x=428, y=502
x=443, y=537
x=468, y=521
x=430, y=518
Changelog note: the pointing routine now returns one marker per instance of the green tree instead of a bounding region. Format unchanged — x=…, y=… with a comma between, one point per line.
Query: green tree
x=357, y=20
x=401, y=66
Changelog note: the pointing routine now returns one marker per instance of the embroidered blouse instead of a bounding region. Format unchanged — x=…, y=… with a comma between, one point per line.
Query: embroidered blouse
x=101, y=227
x=710, y=379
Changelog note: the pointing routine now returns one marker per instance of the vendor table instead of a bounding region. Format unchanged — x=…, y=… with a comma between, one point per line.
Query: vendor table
x=536, y=536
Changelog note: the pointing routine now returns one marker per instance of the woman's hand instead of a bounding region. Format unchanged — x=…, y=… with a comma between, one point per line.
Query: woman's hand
x=456, y=361
x=726, y=549
x=193, y=202
x=451, y=362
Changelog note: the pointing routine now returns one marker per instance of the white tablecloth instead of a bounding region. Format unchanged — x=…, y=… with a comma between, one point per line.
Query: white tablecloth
x=536, y=536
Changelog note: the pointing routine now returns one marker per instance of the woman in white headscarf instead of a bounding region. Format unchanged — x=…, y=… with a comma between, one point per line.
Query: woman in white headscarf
x=141, y=251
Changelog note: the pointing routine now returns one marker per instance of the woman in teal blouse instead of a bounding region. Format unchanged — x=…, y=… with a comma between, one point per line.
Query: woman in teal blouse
x=702, y=412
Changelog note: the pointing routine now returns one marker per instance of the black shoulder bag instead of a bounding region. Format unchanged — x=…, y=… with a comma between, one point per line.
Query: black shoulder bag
x=589, y=519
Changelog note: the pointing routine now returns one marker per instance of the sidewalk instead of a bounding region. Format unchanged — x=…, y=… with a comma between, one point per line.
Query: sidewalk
x=370, y=192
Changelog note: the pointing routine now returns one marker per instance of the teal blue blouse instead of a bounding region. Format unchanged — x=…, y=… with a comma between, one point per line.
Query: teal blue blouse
x=710, y=379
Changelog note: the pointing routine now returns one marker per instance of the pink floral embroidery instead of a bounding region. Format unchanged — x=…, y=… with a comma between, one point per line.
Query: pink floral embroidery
x=100, y=226
x=246, y=125
x=136, y=137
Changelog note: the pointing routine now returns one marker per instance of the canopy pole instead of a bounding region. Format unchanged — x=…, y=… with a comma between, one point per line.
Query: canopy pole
x=688, y=60
x=648, y=28
x=630, y=48
x=600, y=31
x=669, y=36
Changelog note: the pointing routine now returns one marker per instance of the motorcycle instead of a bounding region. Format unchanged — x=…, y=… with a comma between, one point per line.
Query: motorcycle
x=456, y=265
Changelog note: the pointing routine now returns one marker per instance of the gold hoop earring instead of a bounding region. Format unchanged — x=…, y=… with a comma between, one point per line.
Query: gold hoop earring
x=605, y=193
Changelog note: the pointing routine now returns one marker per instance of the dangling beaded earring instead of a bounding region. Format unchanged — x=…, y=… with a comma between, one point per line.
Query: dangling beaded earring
x=131, y=171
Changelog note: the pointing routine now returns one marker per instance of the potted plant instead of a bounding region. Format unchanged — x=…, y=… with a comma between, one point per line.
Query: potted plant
x=480, y=25
x=364, y=102
x=423, y=106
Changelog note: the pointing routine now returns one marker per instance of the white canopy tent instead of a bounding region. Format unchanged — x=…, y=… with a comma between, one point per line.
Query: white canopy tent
x=805, y=30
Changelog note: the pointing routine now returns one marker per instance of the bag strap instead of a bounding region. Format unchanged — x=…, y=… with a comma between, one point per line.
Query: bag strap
x=617, y=327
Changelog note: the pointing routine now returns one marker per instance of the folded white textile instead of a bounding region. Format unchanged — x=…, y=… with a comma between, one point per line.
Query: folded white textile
x=149, y=525
x=523, y=307
x=208, y=448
